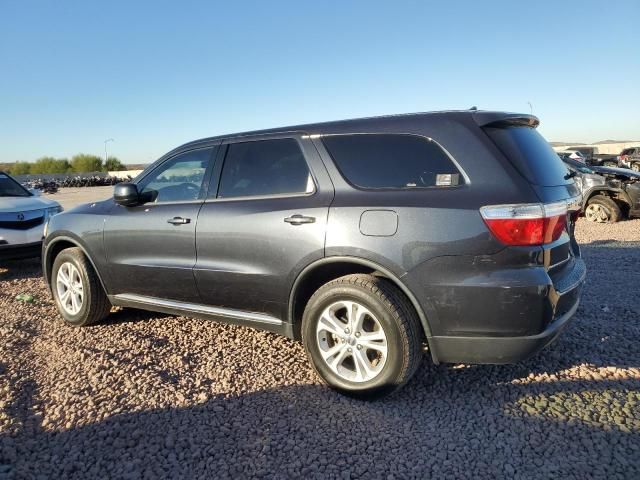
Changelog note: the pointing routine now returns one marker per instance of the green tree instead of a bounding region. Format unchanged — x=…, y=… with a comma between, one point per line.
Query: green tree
x=20, y=168
x=82, y=163
x=50, y=165
x=113, y=165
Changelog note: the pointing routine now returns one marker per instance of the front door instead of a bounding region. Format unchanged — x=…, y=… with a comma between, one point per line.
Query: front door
x=266, y=222
x=150, y=248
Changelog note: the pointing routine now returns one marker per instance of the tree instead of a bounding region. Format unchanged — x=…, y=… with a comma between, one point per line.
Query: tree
x=83, y=163
x=20, y=168
x=113, y=165
x=50, y=165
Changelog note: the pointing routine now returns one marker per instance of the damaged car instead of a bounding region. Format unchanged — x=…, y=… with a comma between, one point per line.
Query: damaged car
x=609, y=194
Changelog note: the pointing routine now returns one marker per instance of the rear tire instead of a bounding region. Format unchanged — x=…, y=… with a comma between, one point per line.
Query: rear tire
x=77, y=290
x=362, y=336
x=602, y=209
x=635, y=167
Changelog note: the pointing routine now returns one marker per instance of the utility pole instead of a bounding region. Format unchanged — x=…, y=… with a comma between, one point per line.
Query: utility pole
x=105, y=149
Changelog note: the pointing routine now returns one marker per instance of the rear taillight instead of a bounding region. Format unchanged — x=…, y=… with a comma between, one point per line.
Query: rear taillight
x=528, y=224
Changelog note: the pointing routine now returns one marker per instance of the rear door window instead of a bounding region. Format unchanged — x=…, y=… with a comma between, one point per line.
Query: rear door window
x=265, y=167
x=391, y=161
x=531, y=155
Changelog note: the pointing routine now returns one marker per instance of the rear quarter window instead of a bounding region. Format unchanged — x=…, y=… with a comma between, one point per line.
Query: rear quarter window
x=391, y=161
x=530, y=154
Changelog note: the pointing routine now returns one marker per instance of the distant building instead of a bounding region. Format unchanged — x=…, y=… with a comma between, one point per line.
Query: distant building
x=605, y=147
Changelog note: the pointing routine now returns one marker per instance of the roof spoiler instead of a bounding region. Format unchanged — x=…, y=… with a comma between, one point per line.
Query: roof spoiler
x=502, y=120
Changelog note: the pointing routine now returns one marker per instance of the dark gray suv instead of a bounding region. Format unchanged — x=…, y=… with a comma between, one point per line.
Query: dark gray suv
x=370, y=240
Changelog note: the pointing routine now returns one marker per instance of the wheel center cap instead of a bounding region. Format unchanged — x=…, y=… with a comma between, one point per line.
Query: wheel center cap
x=351, y=340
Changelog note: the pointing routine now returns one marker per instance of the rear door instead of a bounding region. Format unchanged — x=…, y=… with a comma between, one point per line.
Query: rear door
x=151, y=247
x=264, y=221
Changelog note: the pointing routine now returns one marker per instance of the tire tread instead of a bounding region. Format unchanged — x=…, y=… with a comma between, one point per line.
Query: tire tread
x=401, y=310
x=100, y=305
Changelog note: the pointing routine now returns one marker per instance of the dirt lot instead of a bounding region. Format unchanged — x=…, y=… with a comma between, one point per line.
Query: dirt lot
x=70, y=197
x=148, y=396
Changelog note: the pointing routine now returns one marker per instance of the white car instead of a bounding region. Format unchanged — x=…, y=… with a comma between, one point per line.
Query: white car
x=573, y=154
x=23, y=215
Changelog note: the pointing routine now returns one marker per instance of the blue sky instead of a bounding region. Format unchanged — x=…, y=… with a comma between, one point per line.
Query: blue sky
x=153, y=75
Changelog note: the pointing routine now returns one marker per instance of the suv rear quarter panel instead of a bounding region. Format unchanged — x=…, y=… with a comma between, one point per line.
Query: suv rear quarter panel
x=441, y=249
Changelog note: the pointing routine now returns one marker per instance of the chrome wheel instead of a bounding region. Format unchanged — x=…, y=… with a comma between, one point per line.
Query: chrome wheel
x=597, y=213
x=352, y=342
x=69, y=287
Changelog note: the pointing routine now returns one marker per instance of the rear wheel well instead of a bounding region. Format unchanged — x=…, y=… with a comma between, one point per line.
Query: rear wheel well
x=317, y=277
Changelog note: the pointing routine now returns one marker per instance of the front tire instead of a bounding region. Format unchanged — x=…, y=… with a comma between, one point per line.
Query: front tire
x=362, y=336
x=77, y=290
x=602, y=209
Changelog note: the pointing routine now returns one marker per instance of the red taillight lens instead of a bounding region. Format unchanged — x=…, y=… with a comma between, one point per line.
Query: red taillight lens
x=513, y=231
x=529, y=224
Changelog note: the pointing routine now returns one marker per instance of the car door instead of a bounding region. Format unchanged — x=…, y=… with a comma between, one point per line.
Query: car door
x=150, y=248
x=264, y=221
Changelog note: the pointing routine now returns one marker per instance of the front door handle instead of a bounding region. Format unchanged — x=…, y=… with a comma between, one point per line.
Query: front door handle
x=178, y=221
x=299, y=219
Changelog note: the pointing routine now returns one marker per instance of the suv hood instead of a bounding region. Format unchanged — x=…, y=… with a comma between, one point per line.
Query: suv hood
x=619, y=172
x=24, y=204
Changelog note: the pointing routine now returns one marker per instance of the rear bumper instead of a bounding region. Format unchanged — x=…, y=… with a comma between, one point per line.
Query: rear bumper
x=16, y=252
x=512, y=349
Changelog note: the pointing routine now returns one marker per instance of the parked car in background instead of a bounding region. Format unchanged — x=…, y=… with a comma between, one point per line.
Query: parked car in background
x=630, y=158
x=369, y=240
x=23, y=215
x=609, y=194
x=593, y=157
x=572, y=154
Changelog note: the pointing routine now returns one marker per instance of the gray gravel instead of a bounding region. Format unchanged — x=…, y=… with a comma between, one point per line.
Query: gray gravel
x=154, y=396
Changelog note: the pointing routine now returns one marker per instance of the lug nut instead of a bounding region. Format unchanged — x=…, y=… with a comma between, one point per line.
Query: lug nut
x=350, y=350
x=357, y=334
x=346, y=330
x=359, y=347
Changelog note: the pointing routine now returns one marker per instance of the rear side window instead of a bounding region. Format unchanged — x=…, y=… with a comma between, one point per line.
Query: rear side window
x=531, y=154
x=265, y=167
x=379, y=161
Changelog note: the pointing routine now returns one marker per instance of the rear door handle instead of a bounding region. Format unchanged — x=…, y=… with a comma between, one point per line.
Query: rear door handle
x=299, y=219
x=178, y=221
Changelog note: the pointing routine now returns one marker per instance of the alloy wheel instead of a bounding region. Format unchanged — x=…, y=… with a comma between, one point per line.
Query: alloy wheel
x=597, y=213
x=352, y=341
x=69, y=287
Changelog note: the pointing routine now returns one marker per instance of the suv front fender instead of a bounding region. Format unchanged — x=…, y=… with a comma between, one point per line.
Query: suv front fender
x=52, y=245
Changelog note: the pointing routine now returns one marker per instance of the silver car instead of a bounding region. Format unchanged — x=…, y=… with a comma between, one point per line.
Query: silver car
x=23, y=215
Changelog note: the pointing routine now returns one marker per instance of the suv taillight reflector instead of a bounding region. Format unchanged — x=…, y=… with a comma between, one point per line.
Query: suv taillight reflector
x=527, y=224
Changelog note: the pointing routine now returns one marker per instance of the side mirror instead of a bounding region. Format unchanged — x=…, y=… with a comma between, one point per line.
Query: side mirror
x=35, y=192
x=126, y=194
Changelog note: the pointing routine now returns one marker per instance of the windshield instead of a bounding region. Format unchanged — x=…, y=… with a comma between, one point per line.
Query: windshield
x=10, y=188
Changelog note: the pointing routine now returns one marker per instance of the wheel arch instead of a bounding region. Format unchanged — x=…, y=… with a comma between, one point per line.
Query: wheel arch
x=54, y=247
x=321, y=271
x=616, y=194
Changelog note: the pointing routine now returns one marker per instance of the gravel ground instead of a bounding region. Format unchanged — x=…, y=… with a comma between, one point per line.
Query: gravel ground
x=154, y=396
